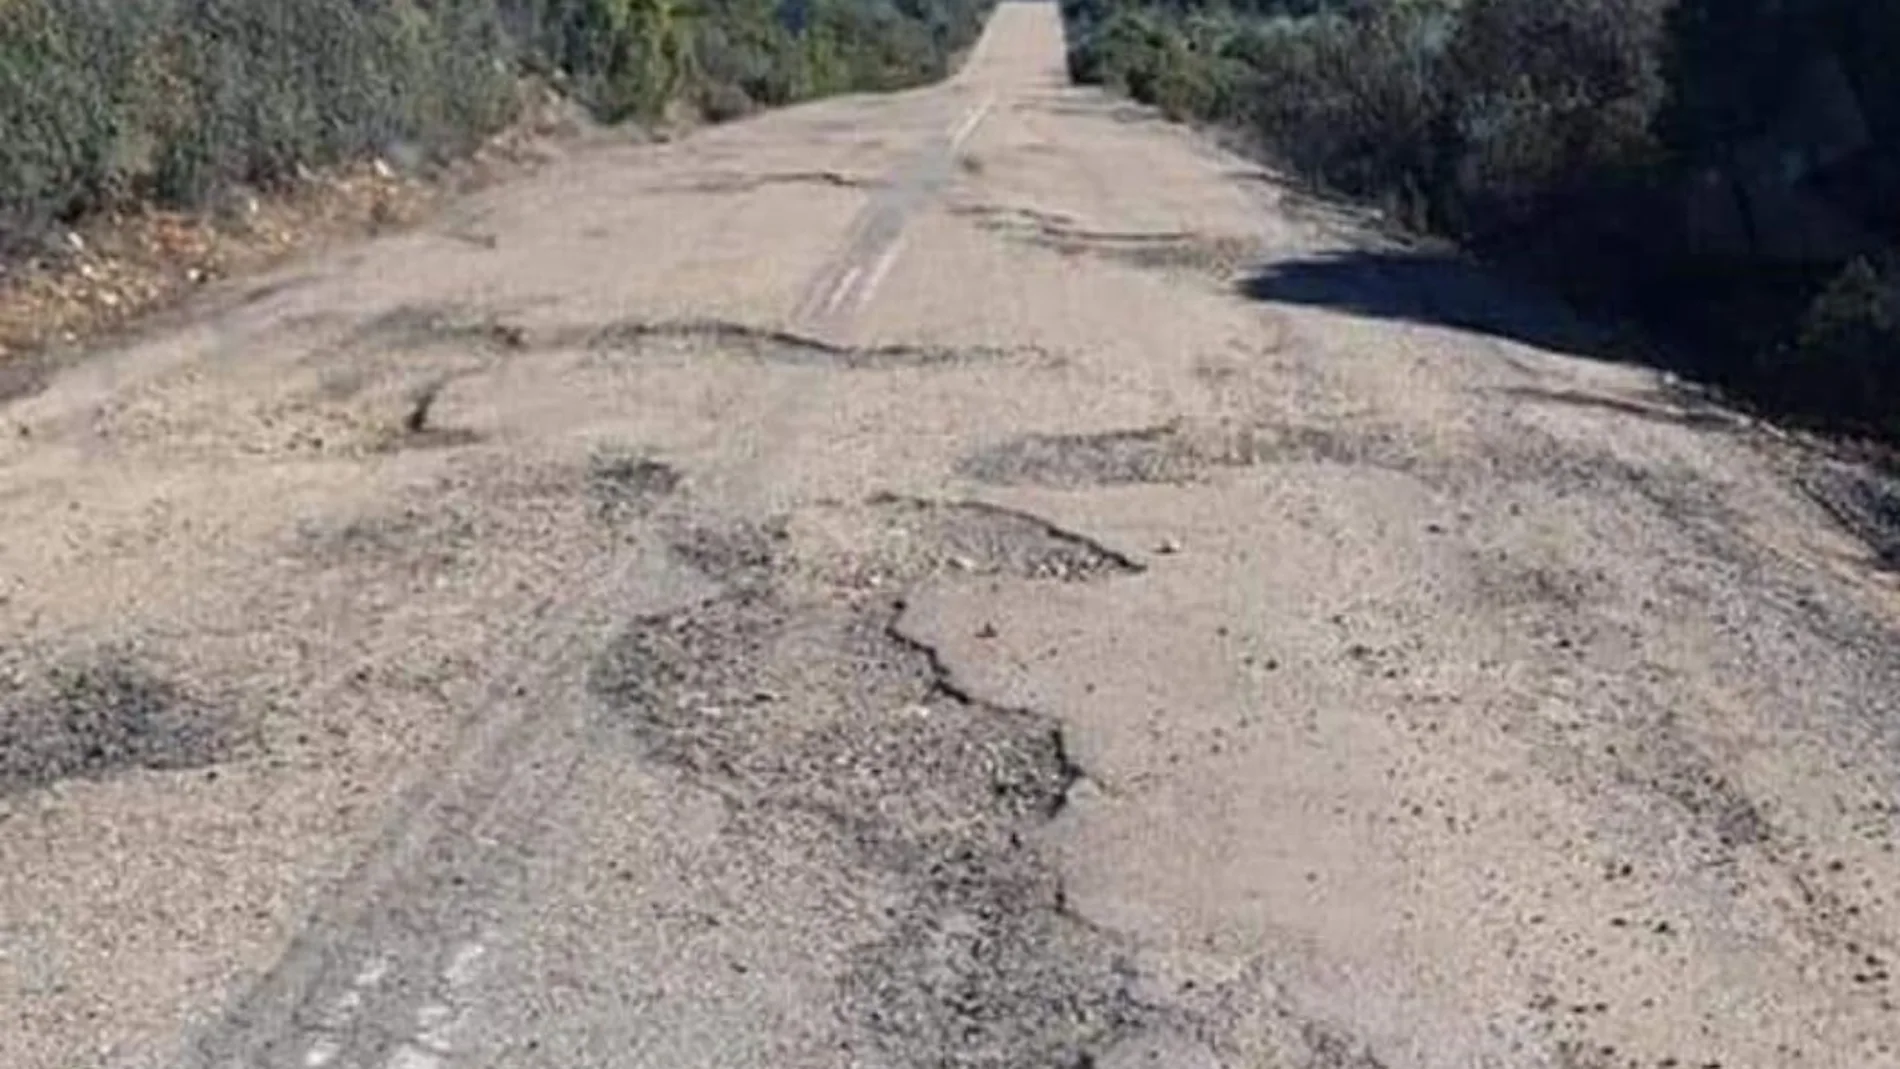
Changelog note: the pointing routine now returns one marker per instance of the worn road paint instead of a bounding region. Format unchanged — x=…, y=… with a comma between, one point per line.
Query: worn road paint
x=970, y=122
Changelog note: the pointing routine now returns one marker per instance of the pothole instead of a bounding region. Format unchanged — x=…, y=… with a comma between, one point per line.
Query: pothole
x=1170, y=453
x=804, y=699
x=738, y=182
x=1183, y=251
x=96, y=717
x=1144, y=455
x=414, y=328
x=741, y=555
x=907, y=538
x=784, y=347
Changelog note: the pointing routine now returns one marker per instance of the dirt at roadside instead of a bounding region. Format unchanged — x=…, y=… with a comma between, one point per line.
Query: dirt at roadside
x=106, y=272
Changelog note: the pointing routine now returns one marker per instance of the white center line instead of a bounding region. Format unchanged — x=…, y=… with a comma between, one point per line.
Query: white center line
x=878, y=270
x=845, y=282
x=970, y=122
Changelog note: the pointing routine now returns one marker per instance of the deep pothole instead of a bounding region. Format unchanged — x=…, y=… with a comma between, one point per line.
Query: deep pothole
x=796, y=693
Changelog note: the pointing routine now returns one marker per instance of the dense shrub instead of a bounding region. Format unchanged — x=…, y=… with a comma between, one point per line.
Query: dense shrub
x=1547, y=91
x=1844, y=361
x=102, y=100
x=1570, y=138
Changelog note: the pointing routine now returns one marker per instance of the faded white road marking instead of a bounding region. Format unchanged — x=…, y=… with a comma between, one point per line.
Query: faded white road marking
x=970, y=123
x=878, y=270
x=845, y=282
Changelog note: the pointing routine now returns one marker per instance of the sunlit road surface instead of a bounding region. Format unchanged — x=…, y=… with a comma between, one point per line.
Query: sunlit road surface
x=975, y=577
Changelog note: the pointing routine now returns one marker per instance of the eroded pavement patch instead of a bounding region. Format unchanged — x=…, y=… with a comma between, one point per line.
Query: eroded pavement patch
x=1173, y=452
x=102, y=714
x=769, y=345
x=795, y=695
x=1216, y=256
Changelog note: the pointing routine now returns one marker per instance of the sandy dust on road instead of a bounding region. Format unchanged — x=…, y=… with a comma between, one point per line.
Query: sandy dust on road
x=976, y=577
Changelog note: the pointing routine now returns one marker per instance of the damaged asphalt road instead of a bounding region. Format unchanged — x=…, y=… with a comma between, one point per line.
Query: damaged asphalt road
x=868, y=586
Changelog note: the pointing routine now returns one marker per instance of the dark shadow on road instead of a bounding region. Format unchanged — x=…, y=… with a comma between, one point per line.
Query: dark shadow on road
x=1431, y=288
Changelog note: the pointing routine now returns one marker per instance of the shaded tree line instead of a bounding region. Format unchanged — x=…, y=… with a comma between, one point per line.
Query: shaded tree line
x=105, y=101
x=1726, y=172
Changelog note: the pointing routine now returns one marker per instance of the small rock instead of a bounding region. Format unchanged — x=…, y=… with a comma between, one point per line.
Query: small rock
x=986, y=631
x=962, y=564
x=1168, y=547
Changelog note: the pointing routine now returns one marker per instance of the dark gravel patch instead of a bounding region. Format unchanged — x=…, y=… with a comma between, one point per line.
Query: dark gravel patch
x=22, y=377
x=742, y=555
x=1145, y=455
x=1174, y=251
x=734, y=182
x=1865, y=500
x=95, y=718
x=786, y=347
x=413, y=328
x=802, y=702
x=1173, y=453
x=977, y=538
x=420, y=539
x=626, y=483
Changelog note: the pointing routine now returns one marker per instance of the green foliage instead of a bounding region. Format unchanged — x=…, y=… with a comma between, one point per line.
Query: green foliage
x=1844, y=362
x=176, y=99
x=1564, y=136
x=1548, y=90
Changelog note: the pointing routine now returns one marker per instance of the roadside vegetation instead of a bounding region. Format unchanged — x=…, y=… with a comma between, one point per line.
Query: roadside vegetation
x=1725, y=172
x=105, y=102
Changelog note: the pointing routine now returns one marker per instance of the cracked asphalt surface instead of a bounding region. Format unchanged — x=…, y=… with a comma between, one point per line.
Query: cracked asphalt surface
x=887, y=583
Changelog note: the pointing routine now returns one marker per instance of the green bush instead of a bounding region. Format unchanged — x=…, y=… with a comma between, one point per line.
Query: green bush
x=102, y=100
x=1569, y=138
x=73, y=80
x=1844, y=363
x=1545, y=92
